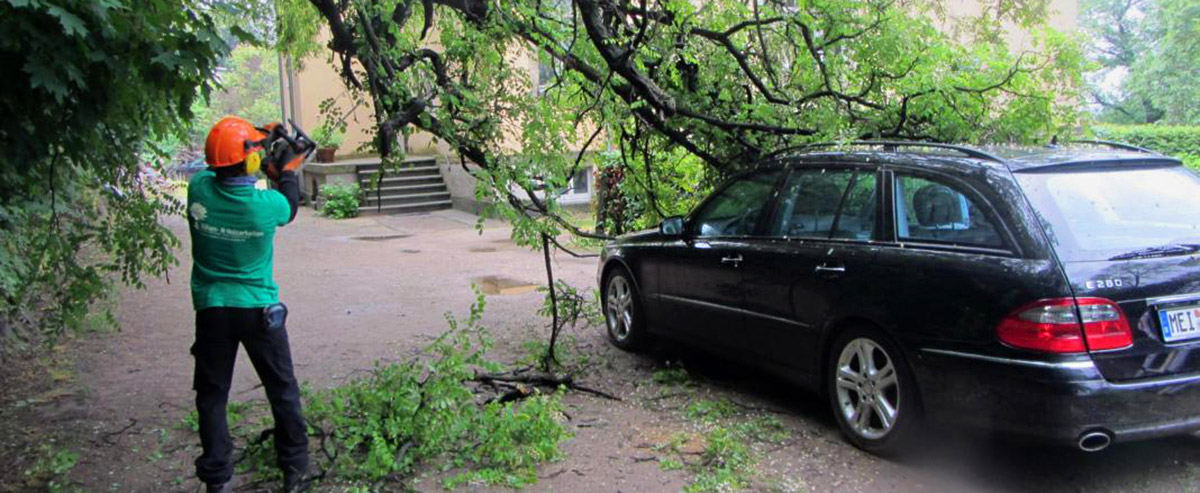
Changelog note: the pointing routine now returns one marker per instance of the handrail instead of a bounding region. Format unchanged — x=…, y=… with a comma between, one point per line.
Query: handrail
x=891, y=146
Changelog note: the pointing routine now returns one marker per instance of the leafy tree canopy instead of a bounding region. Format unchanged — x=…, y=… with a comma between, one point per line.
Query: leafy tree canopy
x=91, y=82
x=726, y=82
x=1148, y=59
x=249, y=87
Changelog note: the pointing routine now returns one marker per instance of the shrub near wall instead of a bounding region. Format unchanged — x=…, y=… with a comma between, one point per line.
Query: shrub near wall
x=341, y=201
x=1181, y=141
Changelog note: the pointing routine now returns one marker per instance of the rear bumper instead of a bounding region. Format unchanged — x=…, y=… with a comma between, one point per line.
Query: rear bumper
x=1051, y=401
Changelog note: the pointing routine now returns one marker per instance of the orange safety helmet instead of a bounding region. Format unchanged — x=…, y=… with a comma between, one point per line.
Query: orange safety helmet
x=231, y=141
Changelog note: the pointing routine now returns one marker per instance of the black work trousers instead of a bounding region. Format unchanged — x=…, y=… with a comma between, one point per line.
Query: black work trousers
x=218, y=333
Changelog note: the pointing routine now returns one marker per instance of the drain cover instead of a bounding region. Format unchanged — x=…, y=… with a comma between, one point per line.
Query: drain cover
x=503, y=285
x=380, y=237
x=481, y=249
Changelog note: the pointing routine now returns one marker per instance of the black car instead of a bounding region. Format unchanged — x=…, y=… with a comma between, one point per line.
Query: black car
x=1052, y=292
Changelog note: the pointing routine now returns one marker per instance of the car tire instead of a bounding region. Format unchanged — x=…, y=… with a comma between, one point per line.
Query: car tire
x=623, y=319
x=877, y=404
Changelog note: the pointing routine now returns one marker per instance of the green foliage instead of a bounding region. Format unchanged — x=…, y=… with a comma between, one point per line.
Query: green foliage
x=726, y=463
x=93, y=81
x=766, y=429
x=327, y=136
x=669, y=464
x=710, y=411
x=406, y=414
x=567, y=356
x=573, y=306
x=50, y=471
x=730, y=433
x=1150, y=51
x=632, y=196
x=1179, y=141
x=249, y=88
x=415, y=416
x=298, y=26
x=671, y=376
x=704, y=109
x=339, y=201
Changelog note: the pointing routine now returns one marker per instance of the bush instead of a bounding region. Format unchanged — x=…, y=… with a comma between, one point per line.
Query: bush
x=340, y=201
x=1181, y=141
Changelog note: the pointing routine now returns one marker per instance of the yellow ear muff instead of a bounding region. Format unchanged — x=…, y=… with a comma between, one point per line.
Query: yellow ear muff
x=253, y=162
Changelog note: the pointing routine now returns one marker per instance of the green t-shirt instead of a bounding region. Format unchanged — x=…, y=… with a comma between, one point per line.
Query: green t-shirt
x=233, y=233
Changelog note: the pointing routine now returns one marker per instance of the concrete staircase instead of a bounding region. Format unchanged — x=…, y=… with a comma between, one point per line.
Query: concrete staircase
x=416, y=186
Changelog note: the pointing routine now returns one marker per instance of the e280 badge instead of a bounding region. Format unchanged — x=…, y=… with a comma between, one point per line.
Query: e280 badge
x=1103, y=283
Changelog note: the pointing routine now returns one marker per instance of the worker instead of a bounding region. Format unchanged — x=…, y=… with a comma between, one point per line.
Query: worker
x=232, y=224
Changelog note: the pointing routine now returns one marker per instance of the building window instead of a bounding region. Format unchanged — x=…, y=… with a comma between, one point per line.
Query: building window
x=548, y=69
x=579, y=182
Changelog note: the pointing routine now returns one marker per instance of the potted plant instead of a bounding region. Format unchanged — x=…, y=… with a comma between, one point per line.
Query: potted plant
x=328, y=139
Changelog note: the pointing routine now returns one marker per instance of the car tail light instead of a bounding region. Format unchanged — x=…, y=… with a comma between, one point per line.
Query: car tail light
x=1104, y=324
x=1054, y=326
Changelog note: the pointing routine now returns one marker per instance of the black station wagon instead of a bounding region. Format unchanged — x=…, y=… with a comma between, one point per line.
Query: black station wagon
x=1052, y=293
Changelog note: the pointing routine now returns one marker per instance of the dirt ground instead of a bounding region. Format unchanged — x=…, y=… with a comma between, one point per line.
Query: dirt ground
x=377, y=288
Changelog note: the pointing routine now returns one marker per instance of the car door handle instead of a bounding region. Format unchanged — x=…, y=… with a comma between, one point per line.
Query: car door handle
x=734, y=261
x=830, y=269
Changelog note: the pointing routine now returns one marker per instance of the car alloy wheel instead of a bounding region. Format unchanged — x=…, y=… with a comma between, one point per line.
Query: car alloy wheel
x=619, y=308
x=868, y=389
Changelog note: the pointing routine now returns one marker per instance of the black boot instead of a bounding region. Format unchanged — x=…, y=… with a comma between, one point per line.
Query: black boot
x=295, y=481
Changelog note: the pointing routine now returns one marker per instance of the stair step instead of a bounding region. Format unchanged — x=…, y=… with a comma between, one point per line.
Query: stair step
x=407, y=208
x=414, y=186
x=403, y=171
x=407, y=198
x=386, y=189
x=401, y=180
x=416, y=163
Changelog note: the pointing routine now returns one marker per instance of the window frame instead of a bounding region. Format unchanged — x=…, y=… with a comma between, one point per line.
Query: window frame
x=1010, y=246
x=808, y=166
x=690, y=224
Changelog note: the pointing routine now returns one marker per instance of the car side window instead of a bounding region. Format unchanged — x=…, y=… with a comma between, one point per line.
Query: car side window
x=935, y=212
x=735, y=210
x=811, y=200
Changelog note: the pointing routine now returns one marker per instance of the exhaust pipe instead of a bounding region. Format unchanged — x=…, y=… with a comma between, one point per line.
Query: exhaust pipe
x=1094, y=441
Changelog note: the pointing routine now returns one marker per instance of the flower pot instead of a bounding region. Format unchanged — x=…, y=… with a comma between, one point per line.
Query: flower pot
x=325, y=154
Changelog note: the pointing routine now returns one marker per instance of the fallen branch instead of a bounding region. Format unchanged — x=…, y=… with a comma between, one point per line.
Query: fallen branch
x=540, y=379
x=107, y=437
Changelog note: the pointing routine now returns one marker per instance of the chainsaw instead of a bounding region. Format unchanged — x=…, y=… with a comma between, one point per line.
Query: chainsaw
x=284, y=150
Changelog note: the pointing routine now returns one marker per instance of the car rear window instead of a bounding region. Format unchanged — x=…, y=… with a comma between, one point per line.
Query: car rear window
x=1101, y=214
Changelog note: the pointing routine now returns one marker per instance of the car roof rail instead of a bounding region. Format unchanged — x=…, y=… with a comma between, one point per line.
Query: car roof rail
x=891, y=146
x=1115, y=145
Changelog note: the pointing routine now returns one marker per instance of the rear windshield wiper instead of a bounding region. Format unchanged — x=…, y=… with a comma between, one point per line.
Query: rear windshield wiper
x=1159, y=251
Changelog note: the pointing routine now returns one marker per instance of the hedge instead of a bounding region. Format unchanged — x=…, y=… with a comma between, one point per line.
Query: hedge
x=1181, y=141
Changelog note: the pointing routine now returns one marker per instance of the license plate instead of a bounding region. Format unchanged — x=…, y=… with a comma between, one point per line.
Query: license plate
x=1180, y=323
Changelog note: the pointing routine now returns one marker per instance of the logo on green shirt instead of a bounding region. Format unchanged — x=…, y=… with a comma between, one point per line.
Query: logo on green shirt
x=199, y=212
